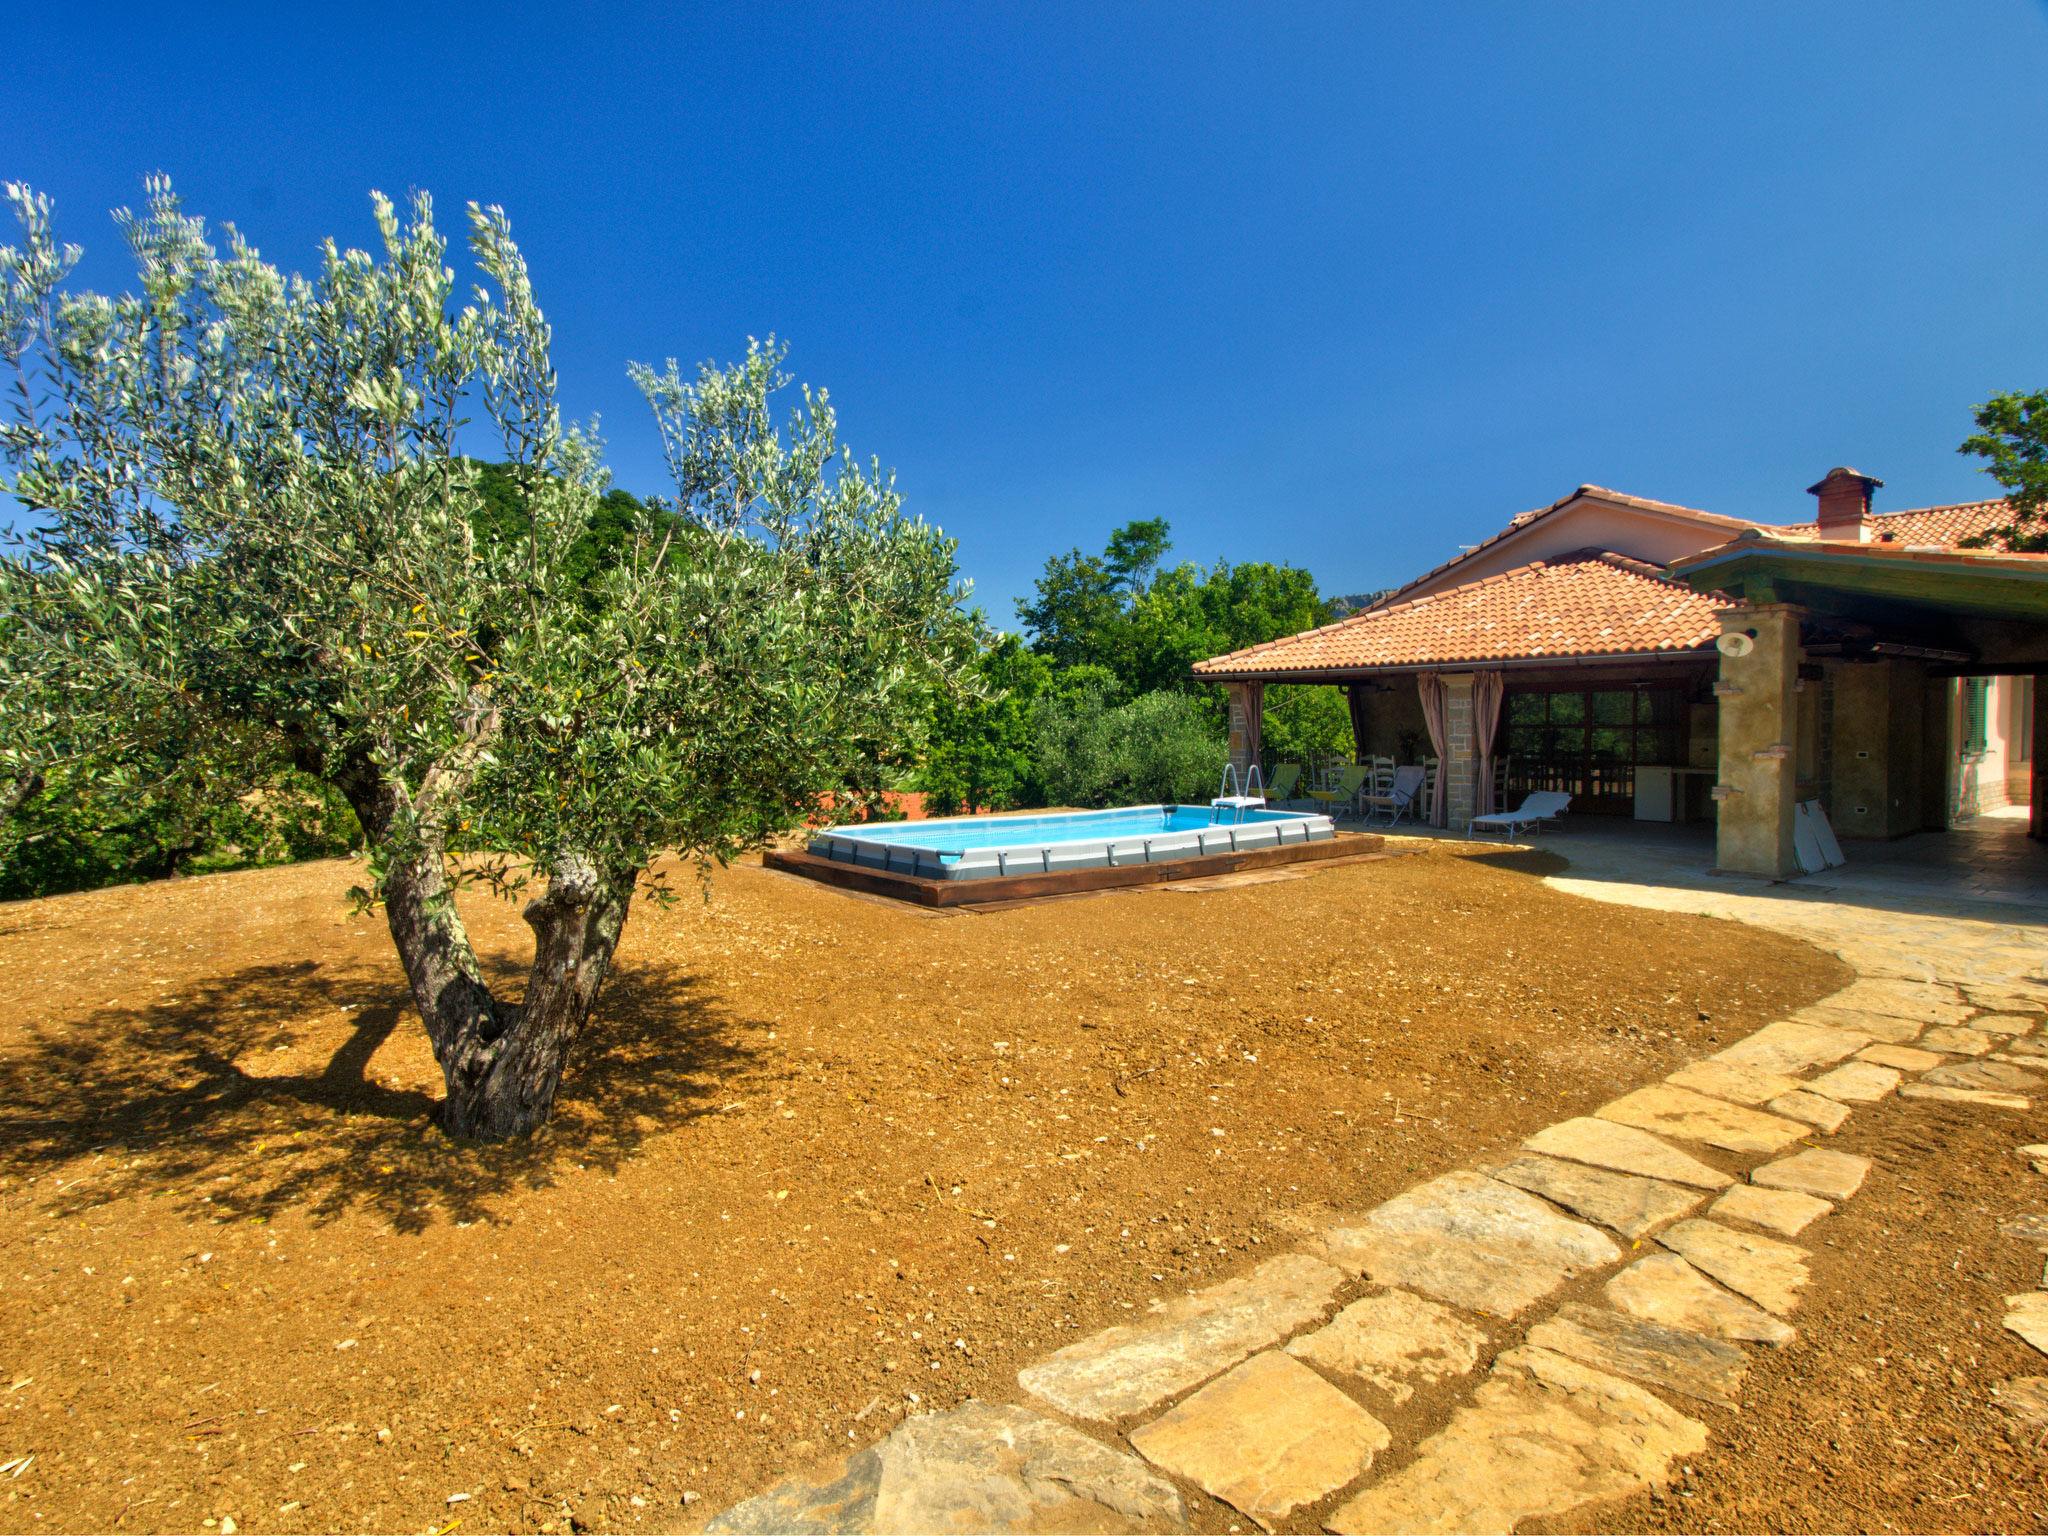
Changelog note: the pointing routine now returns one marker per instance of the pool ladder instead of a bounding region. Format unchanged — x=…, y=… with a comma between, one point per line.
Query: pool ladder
x=1238, y=795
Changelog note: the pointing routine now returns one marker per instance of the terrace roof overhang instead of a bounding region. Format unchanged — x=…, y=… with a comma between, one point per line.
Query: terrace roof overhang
x=1529, y=668
x=1973, y=611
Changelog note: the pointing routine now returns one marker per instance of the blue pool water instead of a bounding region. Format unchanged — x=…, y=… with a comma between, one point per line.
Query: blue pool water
x=981, y=847
x=1137, y=821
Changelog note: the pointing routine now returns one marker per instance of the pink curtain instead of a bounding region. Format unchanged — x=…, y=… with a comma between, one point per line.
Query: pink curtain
x=1487, y=689
x=1431, y=686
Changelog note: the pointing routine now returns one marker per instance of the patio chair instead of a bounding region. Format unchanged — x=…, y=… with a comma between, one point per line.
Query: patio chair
x=1285, y=779
x=1343, y=792
x=1544, y=805
x=1399, y=800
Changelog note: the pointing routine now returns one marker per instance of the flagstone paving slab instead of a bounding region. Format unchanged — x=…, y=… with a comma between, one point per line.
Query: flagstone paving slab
x=2037, y=1154
x=1999, y=1076
x=1733, y=1081
x=1664, y=1288
x=1830, y=1175
x=1905, y=1058
x=1957, y=1042
x=1824, y=1115
x=1675, y=1359
x=1768, y=1272
x=1693, y=1116
x=1543, y=1435
x=2033, y=1000
x=1877, y=1026
x=2025, y=1398
x=1471, y=1241
x=1604, y=1144
x=1928, y=1003
x=1393, y=1341
x=1855, y=1082
x=978, y=1467
x=1129, y=1369
x=1784, y=1211
x=1628, y=1203
x=2030, y=1228
x=1990, y=1100
x=1266, y=1437
x=1791, y=1047
x=2027, y=1315
x=2003, y=1024
x=2025, y=1048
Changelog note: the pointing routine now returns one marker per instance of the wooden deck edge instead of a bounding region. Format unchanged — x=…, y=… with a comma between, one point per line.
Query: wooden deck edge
x=974, y=893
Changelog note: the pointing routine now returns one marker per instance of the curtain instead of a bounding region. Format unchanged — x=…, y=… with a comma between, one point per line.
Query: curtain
x=1431, y=686
x=1487, y=690
x=1361, y=723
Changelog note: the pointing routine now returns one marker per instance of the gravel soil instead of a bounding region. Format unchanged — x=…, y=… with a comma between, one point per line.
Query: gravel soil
x=823, y=1160
x=1883, y=1414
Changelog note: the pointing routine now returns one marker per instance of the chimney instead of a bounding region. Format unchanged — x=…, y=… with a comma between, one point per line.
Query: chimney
x=1845, y=505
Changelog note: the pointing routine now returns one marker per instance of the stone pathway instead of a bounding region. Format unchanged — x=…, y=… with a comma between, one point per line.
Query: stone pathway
x=1689, y=1194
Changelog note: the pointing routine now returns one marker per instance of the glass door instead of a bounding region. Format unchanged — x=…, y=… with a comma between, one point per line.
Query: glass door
x=1588, y=742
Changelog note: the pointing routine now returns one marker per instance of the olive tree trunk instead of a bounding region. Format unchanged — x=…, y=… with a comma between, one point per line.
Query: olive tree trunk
x=502, y=1062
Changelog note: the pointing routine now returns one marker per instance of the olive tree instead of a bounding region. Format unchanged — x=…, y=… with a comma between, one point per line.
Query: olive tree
x=249, y=510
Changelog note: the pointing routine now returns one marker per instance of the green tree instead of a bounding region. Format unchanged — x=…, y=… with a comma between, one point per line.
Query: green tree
x=1150, y=623
x=979, y=751
x=2012, y=436
x=1079, y=612
x=252, y=515
x=1160, y=747
x=1190, y=614
x=1305, y=721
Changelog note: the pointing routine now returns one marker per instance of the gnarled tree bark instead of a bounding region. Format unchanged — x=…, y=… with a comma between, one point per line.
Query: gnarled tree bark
x=502, y=1062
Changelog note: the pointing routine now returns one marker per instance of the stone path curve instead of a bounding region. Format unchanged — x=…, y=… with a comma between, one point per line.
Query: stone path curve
x=1258, y=1390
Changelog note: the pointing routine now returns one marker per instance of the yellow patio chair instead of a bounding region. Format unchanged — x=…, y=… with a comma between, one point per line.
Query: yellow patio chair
x=1341, y=795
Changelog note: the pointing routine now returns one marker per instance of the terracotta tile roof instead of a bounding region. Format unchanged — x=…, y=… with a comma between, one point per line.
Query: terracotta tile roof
x=1943, y=526
x=1522, y=520
x=1592, y=603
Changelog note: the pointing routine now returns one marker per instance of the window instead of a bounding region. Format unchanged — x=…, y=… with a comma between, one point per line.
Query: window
x=1589, y=741
x=1976, y=709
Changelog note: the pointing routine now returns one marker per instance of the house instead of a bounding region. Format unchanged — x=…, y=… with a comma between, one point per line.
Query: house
x=1669, y=663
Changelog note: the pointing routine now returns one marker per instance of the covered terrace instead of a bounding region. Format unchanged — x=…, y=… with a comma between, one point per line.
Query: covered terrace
x=1846, y=673
x=1731, y=686
x=1589, y=672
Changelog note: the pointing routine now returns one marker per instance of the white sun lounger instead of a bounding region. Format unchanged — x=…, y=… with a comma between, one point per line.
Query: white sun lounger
x=1535, y=809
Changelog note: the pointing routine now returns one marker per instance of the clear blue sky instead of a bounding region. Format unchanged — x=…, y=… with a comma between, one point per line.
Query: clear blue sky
x=1341, y=286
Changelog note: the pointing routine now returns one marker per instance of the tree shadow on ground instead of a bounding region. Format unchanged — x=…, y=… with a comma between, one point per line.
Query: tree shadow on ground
x=1517, y=860
x=171, y=1099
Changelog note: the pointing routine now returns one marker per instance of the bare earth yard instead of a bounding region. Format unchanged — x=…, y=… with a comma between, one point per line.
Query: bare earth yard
x=823, y=1161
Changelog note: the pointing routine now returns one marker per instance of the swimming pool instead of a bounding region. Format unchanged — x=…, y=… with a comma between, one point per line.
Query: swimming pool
x=989, y=847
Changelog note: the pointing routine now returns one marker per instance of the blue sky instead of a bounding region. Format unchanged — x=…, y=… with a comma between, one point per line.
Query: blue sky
x=1341, y=286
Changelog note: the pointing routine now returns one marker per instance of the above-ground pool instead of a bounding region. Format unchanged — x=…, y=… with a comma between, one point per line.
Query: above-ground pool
x=986, y=847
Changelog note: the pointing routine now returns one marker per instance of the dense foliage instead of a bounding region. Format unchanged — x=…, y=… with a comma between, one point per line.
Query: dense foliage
x=253, y=522
x=2012, y=436
x=1158, y=747
x=187, y=808
x=1102, y=707
x=105, y=822
x=981, y=751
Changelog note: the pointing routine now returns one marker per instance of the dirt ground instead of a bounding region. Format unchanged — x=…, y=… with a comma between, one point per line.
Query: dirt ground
x=1882, y=1416
x=824, y=1160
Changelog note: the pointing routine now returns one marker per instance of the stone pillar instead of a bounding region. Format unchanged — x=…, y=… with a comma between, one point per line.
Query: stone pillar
x=2037, y=761
x=1246, y=702
x=1460, y=766
x=1759, y=696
